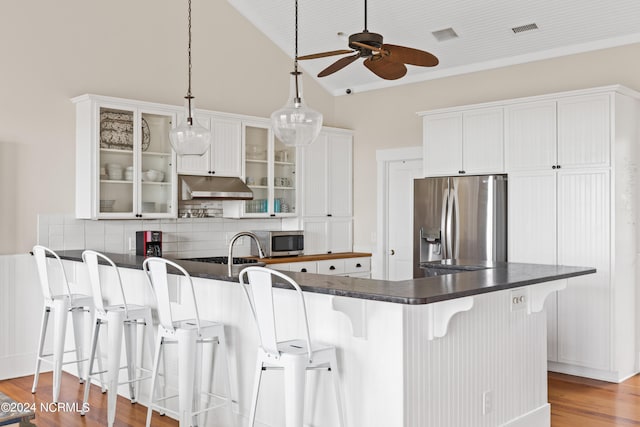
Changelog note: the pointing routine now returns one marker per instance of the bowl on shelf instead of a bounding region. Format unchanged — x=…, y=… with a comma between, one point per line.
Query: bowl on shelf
x=153, y=175
x=107, y=205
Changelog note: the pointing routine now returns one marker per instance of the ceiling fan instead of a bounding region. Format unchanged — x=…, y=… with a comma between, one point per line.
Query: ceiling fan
x=384, y=60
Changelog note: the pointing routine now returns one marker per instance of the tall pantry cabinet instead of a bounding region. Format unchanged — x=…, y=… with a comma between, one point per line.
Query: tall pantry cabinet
x=572, y=163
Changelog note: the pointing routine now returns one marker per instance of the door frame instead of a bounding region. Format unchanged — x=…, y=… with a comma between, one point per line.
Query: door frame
x=379, y=266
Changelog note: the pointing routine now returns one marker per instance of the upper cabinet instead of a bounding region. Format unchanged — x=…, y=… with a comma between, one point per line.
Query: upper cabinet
x=328, y=175
x=270, y=172
x=572, y=132
x=125, y=167
x=224, y=157
x=464, y=142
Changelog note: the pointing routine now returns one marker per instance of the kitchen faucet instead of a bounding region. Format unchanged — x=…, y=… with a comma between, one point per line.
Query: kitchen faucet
x=233, y=240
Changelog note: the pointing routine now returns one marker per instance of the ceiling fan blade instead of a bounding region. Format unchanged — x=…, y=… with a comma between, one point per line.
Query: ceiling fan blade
x=408, y=55
x=325, y=54
x=338, y=65
x=382, y=67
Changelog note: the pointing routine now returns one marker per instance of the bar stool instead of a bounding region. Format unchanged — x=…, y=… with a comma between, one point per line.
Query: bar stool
x=119, y=318
x=295, y=357
x=61, y=305
x=187, y=333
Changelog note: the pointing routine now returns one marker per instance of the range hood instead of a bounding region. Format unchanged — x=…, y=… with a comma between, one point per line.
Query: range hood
x=213, y=187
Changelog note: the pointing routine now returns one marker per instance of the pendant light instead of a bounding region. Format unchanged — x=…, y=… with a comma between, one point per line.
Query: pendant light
x=189, y=137
x=295, y=124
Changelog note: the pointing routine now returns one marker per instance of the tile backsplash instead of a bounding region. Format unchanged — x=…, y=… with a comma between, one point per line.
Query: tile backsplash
x=182, y=237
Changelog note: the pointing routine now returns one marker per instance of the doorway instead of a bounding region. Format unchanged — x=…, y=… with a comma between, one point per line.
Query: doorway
x=397, y=168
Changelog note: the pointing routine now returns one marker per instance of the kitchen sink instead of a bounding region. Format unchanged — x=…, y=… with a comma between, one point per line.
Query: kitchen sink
x=238, y=262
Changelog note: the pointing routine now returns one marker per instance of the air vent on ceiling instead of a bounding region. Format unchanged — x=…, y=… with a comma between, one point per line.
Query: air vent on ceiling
x=523, y=28
x=444, y=35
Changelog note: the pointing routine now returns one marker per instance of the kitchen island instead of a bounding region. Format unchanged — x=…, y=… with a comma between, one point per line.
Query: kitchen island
x=465, y=349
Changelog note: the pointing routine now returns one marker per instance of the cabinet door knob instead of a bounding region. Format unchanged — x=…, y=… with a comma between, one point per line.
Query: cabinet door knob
x=461, y=172
x=332, y=268
x=304, y=270
x=213, y=172
x=553, y=167
x=393, y=252
x=559, y=166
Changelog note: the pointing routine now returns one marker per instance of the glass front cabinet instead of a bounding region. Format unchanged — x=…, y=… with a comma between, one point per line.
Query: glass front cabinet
x=270, y=172
x=125, y=167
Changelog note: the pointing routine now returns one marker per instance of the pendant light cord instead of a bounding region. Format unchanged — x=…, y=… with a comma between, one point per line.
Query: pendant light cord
x=296, y=73
x=189, y=97
x=365, y=17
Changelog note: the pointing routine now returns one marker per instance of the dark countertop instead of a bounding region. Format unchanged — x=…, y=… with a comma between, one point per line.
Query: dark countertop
x=496, y=277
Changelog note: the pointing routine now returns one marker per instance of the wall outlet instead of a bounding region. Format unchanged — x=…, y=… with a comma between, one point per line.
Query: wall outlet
x=487, y=402
x=518, y=300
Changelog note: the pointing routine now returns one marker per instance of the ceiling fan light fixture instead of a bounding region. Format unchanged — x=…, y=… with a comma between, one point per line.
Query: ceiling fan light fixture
x=189, y=137
x=295, y=124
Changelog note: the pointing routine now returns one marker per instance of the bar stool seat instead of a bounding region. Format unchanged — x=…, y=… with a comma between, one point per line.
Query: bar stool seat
x=295, y=356
x=60, y=305
x=122, y=318
x=187, y=334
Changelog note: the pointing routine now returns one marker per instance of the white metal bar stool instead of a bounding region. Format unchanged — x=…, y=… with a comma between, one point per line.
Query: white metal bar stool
x=294, y=356
x=187, y=333
x=61, y=305
x=122, y=317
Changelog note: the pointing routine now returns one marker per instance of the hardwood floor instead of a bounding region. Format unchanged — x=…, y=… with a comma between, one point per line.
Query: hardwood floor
x=575, y=402
x=127, y=415
x=582, y=402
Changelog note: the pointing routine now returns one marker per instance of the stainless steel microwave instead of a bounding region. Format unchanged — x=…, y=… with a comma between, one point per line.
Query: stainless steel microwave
x=279, y=243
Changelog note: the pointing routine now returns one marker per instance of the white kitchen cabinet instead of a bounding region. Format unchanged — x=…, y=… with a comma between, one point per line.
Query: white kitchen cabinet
x=352, y=267
x=118, y=142
x=224, y=157
x=464, y=142
x=324, y=235
x=328, y=175
x=583, y=214
x=573, y=132
x=270, y=170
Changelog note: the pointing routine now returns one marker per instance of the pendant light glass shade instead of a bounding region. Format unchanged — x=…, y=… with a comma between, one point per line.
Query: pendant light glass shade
x=190, y=137
x=295, y=124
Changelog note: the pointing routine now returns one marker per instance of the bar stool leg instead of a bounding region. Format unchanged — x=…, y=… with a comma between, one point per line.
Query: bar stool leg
x=94, y=346
x=186, y=375
x=333, y=363
x=43, y=334
x=256, y=389
x=294, y=381
x=115, y=321
x=60, y=312
x=77, y=318
x=131, y=347
x=232, y=377
x=154, y=378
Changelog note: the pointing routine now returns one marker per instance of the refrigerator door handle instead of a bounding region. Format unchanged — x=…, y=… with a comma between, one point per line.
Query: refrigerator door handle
x=448, y=230
x=444, y=239
x=455, y=227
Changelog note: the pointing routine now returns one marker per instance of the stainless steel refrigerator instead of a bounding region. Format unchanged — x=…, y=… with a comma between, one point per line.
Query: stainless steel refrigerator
x=461, y=218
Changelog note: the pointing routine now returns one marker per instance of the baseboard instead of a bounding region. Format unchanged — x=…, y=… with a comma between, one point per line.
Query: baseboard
x=539, y=417
x=596, y=374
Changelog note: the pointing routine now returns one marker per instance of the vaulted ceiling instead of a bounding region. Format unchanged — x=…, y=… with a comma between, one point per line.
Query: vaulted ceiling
x=490, y=34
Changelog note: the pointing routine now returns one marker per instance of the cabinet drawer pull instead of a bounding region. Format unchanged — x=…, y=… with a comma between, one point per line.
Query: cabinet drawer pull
x=358, y=265
x=304, y=270
x=332, y=268
x=329, y=215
